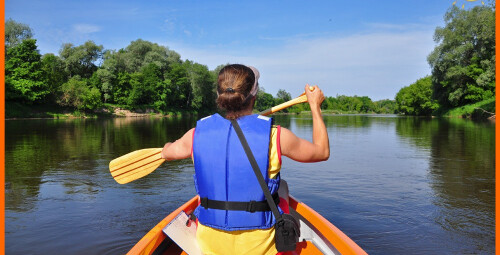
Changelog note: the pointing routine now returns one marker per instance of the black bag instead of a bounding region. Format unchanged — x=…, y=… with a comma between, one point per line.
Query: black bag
x=287, y=231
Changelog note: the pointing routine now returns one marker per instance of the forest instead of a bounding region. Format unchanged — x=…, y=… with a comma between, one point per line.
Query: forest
x=463, y=67
x=143, y=75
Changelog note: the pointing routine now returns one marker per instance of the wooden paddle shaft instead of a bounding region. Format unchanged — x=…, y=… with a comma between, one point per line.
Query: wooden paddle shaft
x=300, y=99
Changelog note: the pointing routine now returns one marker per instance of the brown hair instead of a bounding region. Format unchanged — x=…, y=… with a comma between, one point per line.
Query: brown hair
x=233, y=87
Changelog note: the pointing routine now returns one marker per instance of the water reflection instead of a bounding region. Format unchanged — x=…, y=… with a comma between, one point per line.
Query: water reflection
x=395, y=185
x=69, y=149
x=461, y=175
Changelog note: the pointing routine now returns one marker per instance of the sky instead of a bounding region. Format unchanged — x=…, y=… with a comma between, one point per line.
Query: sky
x=364, y=48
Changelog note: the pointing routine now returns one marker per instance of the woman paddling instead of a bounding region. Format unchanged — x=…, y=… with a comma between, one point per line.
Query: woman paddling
x=223, y=173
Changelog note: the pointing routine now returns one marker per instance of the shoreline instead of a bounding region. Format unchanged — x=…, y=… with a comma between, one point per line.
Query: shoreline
x=131, y=114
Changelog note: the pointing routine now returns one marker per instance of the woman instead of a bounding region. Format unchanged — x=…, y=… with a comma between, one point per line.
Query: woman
x=234, y=217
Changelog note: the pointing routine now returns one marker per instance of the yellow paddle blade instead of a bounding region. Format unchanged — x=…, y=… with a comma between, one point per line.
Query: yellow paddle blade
x=135, y=165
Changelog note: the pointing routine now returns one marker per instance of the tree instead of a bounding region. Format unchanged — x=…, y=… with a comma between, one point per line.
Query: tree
x=81, y=60
x=137, y=55
x=416, y=99
x=15, y=33
x=76, y=93
x=25, y=80
x=55, y=74
x=385, y=106
x=283, y=95
x=202, y=87
x=154, y=89
x=463, y=62
x=122, y=88
x=366, y=104
x=264, y=100
x=139, y=94
x=105, y=80
x=178, y=87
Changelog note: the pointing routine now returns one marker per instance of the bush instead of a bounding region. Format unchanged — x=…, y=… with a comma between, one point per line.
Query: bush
x=75, y=93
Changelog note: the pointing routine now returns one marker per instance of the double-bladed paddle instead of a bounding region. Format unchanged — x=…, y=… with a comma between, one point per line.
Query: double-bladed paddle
x=140, y=163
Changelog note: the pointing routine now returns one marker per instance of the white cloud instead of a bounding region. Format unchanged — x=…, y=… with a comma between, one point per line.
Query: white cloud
x=86, y=28
x=374, y=64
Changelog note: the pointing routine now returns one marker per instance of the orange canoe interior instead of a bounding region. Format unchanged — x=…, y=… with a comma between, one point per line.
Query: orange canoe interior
x=155, y=238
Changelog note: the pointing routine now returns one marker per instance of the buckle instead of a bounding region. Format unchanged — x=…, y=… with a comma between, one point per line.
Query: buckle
x=251, y=206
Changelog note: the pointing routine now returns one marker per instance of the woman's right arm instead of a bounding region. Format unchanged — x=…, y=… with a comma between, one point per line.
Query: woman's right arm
x=300, y=149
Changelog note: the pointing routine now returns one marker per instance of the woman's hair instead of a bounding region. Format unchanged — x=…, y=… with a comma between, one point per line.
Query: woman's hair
x=234, y=86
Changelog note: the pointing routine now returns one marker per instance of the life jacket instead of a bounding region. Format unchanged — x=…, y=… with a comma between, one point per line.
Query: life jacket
x=230, y=194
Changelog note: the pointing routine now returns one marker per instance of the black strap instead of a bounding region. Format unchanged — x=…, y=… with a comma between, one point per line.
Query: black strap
x=252, y=206
x=256, y=170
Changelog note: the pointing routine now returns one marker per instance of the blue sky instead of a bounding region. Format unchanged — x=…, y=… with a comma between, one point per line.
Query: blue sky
x=365, y=48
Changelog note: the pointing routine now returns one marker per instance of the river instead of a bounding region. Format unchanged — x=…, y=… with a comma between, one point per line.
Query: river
x=395, y=185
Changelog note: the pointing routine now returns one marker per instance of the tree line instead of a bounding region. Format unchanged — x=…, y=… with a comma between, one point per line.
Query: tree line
x=87, y=76
x=142, y=75
x=148, y=75
x=462, y=63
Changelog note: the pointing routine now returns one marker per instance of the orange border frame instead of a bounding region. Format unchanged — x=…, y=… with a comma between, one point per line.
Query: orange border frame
x=2, y=133
x=2, y=129
x=497, y=139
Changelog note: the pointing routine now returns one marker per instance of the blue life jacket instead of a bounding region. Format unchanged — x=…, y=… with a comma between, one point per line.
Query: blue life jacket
x=223, y=171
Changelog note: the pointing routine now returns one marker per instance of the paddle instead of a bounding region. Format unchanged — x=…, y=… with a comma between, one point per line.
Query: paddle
x=140, y=163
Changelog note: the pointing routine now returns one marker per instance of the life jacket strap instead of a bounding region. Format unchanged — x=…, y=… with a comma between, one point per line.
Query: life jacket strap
x=252, y=206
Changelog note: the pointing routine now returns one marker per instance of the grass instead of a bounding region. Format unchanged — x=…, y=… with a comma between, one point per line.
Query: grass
x=479, y=110
x=18, y=110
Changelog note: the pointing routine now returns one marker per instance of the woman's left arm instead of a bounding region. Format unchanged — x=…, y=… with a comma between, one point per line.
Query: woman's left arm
x=179, y=149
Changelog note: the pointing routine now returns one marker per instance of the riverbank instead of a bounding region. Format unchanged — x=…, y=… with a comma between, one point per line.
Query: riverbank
x=480, y=110
x=21, y=111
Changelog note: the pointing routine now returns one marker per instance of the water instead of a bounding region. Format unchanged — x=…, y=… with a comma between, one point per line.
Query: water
x=395, y=185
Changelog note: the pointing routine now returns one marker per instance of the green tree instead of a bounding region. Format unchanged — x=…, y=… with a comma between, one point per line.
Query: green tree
x=178, y=87
x=416, y=99
x=154, y=89
x=115, y=61
x=25, y=80
x=139, y=54
x=202, y=85
x=463, y=62
x=283, y=95
x=76, y=93
x=348, y=104
x=105, y=80
x=367, y=105
x=81, y=60
x=330, y=103
x=15, y=33
x=122, y=88
x=139, y=94
x=264, y=100
x=385, y=106
x=54, y=69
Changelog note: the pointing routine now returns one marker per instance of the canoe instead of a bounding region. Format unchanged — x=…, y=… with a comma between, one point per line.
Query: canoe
x=318, y=235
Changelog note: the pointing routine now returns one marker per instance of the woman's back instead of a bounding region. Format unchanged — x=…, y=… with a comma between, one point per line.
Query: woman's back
x=228, y=189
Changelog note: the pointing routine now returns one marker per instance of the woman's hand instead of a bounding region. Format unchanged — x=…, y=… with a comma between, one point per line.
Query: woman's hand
x=314, y=96
x=300, y=149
